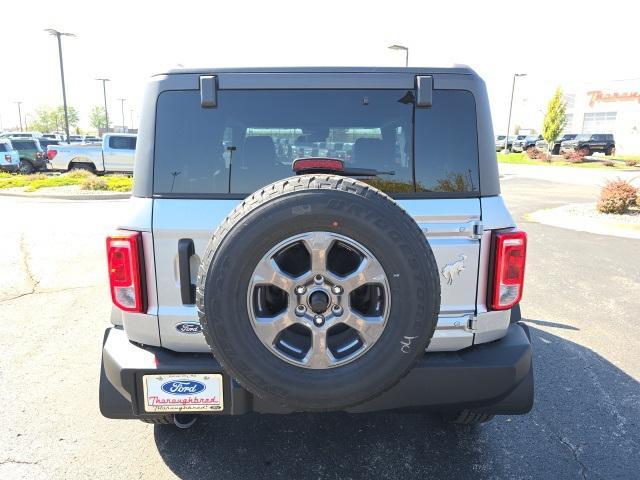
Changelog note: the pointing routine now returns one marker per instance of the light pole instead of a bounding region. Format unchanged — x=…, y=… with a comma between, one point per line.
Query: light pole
x=58, y=34
x=513, y=87
x=19, y=113
x=406, y=50
x=131, y=117
x=124, y=128
x=104, y=92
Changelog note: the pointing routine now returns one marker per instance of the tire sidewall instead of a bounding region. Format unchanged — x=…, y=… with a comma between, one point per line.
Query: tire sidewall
x=389, y=234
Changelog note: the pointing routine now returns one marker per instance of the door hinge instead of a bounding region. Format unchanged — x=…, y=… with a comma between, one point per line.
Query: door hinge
x=477, y=229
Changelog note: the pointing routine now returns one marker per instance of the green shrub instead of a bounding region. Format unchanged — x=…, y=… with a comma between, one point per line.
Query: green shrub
x=119, y=183
x=80, y=174
x=94, y=183
x=617, y=196
x=45, y=181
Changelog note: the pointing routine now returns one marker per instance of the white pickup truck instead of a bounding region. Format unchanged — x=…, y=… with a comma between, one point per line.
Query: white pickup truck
x=116, y=154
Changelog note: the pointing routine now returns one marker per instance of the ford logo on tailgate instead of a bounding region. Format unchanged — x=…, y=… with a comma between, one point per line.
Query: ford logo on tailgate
x=189, y=327
x=183, y=387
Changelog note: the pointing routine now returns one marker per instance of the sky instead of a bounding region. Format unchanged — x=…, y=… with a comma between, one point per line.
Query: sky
x=553, y=42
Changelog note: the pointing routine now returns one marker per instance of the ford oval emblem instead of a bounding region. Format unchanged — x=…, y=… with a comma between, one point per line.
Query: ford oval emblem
x=183, y=387
x=189, y=327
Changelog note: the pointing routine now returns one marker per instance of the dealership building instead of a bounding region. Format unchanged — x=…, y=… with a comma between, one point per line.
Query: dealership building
x=606, y=107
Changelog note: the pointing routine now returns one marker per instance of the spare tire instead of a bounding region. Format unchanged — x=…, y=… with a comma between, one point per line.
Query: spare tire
x=318, y=293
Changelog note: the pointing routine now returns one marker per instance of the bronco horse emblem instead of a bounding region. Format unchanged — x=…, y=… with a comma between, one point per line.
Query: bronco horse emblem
x=453, y=268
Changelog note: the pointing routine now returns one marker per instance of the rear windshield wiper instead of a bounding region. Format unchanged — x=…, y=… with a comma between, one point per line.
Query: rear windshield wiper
x=333, y=165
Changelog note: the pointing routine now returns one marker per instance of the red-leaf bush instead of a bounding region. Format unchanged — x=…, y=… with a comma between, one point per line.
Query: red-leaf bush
x=617, y=196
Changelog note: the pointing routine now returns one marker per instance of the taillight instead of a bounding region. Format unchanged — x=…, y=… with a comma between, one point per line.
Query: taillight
x=51, y=154
x=8, y=158
x=124, y=261
x=39, y=155
x=510, y=250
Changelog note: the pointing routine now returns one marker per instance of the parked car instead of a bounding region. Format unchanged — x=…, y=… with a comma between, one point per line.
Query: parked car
x=500, y=143
x=555, y=149
x=32, y=157
x=76, y=138
x=391, y=281
x=35, y=135
x=588, y=143
x=9, y=157
x=53, y=136
x=46, y=142
x=524, y=144
x=92, y=139
x=114, y=154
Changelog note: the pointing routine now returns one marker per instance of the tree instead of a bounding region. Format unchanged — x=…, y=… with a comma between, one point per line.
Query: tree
x=50, y=119
x=555, y=119
x=97, y=117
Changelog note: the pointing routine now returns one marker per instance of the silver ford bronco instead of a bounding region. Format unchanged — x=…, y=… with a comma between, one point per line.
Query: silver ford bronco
x=316, y=239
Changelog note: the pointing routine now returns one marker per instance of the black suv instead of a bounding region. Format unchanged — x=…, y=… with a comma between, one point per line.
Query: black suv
x=588, y=143
x=524, y=144
x=554, y=148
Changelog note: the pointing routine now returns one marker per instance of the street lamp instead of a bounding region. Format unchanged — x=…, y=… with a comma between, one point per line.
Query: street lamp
x=131, y=117
x=19, y=113
x=124, y=128
x=58, y=34
x=513, y=87
x=104, y=92
x=406, y=50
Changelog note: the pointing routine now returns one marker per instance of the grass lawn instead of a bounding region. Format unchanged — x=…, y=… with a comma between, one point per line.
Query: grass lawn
x=86, y=180
x=522, y=159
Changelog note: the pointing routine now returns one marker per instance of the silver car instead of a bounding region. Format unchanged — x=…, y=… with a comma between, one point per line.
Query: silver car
x=243, y=281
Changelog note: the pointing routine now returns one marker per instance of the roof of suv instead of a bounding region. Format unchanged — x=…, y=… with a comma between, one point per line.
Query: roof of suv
x=457, y=69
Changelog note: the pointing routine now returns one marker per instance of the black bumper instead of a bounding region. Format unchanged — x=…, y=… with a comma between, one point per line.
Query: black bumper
x=494, y=378
x=11, y=168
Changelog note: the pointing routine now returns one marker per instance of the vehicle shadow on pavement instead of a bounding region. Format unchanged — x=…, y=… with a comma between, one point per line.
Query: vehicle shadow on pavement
x=584, y=422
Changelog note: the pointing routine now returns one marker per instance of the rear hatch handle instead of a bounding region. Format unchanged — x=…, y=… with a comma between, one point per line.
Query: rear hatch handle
x=187, y=289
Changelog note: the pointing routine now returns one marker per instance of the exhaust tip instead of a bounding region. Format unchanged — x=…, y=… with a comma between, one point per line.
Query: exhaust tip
x=183, y=420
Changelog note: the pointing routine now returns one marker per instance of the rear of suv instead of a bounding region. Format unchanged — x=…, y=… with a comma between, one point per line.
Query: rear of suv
x=32, y=157
x=316, y=239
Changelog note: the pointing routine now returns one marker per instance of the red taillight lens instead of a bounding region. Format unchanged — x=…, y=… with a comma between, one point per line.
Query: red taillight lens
x=39, y=155
x=51, y=154
x=332, y=164
x=8, y=158
x=124, y=261
x=508, y=277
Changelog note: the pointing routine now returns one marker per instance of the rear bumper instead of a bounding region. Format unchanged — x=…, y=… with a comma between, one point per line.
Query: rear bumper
x=9, y=167
x=493, y=378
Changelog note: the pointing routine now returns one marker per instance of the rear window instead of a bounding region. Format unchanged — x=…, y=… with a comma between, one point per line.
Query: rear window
x=122, y=143
x=24, y=145
x=252, y=138
x=4, y=147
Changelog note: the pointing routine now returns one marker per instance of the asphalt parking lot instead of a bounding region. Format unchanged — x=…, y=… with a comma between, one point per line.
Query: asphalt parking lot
x=582, y=299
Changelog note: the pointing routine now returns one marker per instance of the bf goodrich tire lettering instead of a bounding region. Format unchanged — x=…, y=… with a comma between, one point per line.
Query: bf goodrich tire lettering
x=335, y=205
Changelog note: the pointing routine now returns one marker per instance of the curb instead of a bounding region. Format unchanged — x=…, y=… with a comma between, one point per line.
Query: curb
x=556, y=217
x=105, y=196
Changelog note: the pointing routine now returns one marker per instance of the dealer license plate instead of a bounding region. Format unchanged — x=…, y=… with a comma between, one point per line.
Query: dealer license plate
x=200, y=392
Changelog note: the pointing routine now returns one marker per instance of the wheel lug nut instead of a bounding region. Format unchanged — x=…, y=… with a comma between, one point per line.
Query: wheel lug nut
x=318, y=320
x=301, y=310
x=318, y=280
x=300, y=289
x=337, y=310
x=337, y=290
